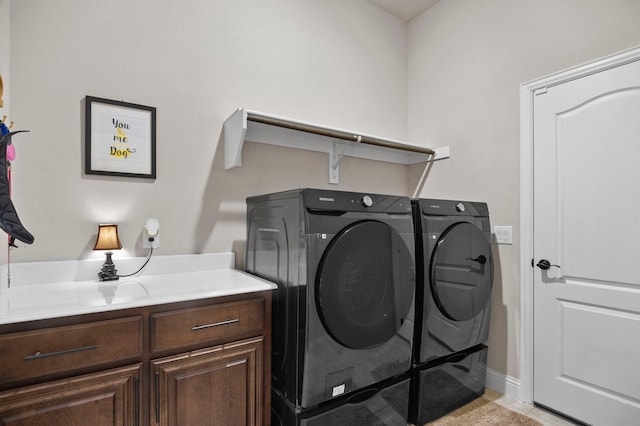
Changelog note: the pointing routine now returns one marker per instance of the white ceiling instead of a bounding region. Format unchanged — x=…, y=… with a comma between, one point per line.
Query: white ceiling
x=405, y=9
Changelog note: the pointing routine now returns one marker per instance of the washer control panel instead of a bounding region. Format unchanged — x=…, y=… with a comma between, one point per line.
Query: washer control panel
x=367, y=201
x=326, y=200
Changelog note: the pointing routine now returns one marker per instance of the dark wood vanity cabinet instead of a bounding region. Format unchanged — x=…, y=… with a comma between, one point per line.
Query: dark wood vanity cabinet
x=201, y=362
x=215, y=386
x=104, y=398
x=200, y=384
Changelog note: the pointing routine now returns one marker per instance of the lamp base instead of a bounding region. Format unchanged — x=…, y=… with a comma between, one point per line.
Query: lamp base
x=108, y=271
x=107, y=276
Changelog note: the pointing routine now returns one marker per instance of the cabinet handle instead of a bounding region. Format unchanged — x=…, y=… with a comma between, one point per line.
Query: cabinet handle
x=215, y=324
x=136, y=404
x=39, y=354
x=157, y=394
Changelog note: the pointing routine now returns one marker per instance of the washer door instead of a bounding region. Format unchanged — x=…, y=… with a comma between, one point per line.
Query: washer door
x=461, y=271
x=365, y=285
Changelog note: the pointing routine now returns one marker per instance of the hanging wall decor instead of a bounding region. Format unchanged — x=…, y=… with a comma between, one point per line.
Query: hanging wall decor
x=120, y=138
x=9, y=220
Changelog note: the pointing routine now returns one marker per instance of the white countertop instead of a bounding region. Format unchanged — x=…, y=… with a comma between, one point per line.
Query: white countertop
x=170, y=279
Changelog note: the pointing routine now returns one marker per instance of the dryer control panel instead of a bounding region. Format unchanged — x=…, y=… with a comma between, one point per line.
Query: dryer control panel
x=453, y=208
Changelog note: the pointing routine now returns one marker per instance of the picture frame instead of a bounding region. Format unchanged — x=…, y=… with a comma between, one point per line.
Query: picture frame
x=120, y=138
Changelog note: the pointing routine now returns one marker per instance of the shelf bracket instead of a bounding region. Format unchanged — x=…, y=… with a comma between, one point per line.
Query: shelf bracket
x=334, y=165
x=235, y=130
x=335, y=157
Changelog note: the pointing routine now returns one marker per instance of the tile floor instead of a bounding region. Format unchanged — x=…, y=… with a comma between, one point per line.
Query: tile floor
x=543, y=416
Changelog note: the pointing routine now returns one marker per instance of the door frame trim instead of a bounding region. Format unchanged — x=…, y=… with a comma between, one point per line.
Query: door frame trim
x=527, y=94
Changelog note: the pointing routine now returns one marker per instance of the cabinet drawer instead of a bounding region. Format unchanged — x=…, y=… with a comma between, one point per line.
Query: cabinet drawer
x=206, y=325
x=50, y=351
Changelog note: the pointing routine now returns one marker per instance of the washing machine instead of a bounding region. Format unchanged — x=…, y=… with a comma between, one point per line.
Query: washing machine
x=454, y=276
x=343, y=312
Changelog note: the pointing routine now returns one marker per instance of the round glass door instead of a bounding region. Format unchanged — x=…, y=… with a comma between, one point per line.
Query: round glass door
x=461, y=271
x=365, y=285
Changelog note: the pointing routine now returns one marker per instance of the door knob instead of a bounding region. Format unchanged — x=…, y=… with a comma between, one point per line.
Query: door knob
x=544, y=264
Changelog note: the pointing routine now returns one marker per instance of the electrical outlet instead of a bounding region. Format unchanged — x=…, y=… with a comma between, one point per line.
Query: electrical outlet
x=504, y=234
x=150, y=244
x=151, y=234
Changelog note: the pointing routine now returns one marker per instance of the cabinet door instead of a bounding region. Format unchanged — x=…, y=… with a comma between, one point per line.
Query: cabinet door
x=107, y=398
x=222, y=385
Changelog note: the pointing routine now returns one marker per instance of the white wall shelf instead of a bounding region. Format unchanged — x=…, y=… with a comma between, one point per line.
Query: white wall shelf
x=259, y=127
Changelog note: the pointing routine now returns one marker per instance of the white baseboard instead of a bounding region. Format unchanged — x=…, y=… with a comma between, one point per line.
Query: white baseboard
x=503, y=384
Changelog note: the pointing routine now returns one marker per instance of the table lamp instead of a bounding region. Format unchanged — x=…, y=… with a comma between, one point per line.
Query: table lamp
x=108, y=240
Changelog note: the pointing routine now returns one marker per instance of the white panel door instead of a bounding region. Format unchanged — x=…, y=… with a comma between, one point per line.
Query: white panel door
x=586, y=221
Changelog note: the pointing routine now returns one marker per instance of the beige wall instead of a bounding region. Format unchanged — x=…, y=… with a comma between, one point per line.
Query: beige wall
x=466, y=62
x=455, y=74
x=331, y=62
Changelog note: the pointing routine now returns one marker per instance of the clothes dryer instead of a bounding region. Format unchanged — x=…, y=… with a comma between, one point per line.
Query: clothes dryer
x=453, y=298
x=343, y=313
x=455, y=276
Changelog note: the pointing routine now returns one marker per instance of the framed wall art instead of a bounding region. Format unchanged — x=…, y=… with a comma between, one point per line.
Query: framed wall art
x=120, y=138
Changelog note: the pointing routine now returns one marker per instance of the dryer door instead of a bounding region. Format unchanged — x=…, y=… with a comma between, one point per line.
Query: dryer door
x=461, y=271
x=365, y=284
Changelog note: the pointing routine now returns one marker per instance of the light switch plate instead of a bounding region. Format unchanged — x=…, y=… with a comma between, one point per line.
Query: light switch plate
x=503, y=234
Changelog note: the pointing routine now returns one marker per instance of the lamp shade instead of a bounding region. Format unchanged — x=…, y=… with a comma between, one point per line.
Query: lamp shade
x=108, y=238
